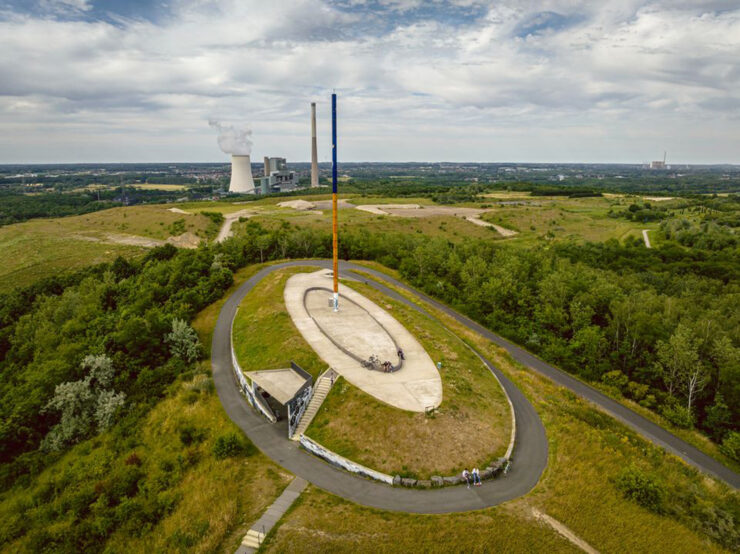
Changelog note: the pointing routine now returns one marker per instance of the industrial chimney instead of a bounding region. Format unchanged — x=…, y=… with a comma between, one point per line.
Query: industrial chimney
x=241, y=174
x=314, y=152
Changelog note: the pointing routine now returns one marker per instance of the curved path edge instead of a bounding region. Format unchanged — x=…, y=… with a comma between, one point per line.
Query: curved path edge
x=529, y=455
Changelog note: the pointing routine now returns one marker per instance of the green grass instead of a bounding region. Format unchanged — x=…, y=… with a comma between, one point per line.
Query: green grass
x=562, y=218
x=185, y=478
x=264, y=334
x=471, y=427
x=321, y=522
x=43, y=247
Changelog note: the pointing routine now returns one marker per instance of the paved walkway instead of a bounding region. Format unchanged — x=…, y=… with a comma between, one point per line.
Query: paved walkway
x=362, y=328
x=253, y=539
x=529, y=456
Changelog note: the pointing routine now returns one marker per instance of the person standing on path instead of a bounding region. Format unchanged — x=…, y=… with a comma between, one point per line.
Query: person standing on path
x=476, y=477
x=466, y=476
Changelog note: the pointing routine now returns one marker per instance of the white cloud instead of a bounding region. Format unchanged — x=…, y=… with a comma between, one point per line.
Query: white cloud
x=581, y=82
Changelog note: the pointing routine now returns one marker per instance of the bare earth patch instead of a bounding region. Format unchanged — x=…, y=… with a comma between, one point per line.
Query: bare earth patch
x=415, y=210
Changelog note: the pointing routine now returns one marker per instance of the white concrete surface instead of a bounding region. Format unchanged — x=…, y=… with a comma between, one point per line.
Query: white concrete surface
x=282, y=384
x=416, y=386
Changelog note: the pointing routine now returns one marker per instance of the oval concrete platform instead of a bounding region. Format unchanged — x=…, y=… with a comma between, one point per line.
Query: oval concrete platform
x=374, y=340
x=358, y=327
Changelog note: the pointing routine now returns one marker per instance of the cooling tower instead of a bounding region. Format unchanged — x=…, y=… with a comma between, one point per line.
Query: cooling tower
x=241, y=174
x=314, y=153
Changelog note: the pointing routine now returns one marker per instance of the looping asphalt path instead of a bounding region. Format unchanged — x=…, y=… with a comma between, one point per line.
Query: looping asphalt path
x=529, y=457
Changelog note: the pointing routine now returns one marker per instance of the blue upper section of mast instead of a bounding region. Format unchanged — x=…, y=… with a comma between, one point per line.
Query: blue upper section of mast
x=334, y=143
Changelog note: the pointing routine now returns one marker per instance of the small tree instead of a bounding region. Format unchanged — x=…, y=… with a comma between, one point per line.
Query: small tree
x=183, y=341
x=677, y=357
x=84, y=405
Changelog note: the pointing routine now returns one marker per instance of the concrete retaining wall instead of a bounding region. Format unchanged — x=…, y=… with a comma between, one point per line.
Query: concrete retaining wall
x=340, y=461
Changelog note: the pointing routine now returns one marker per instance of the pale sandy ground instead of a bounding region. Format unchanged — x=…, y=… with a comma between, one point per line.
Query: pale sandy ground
x=389, y=209
x=658, y=198
x=297, y=205
x=186, y=240
x=229, y=220
x=179, y=211
x=414, y=210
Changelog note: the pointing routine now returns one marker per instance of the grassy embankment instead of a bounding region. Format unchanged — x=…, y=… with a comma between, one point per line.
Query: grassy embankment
x=42, y=247
x=471, y=427
x=150, y=485
x=562, y=218
x=588, y=453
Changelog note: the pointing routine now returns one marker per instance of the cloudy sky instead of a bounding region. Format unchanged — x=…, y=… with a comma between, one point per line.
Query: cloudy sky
x=452, y=80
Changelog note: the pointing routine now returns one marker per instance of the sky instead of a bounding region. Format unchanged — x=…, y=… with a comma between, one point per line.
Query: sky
x=439, y=80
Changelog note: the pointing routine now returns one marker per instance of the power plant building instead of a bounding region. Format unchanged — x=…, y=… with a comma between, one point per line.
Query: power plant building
x=277, y=177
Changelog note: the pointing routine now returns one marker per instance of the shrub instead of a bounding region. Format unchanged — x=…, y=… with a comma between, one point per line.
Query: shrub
x=183, y=341
x=731, y=445
x=615, y=379
x=231, y=445
x=133, y=460
x=678, y=415
x=190, y=434
x=637, y=391
x=641, y=488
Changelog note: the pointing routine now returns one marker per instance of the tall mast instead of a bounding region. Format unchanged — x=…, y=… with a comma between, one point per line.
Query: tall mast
x=335, y=241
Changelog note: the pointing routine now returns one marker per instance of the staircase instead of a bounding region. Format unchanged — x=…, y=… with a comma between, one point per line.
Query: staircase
x=253, y=539
x=322, y=388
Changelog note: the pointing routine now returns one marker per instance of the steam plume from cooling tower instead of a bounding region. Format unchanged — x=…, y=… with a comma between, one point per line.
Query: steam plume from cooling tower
x=233, y=139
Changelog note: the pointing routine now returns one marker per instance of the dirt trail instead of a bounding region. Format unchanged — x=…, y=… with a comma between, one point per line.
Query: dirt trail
x=415, y=210
x=564, y=531
x=647, y=239
x=503, y=231
x=229, y=219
